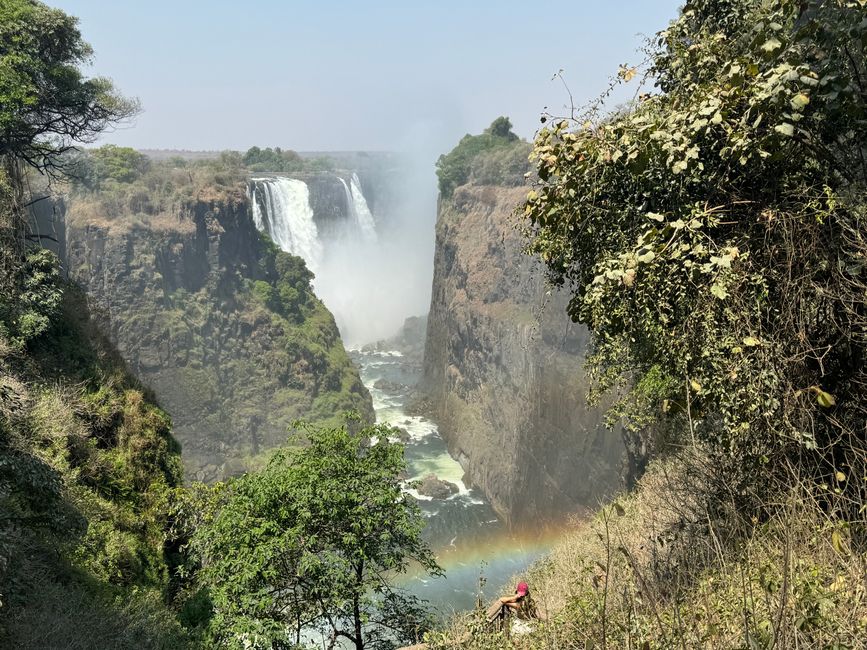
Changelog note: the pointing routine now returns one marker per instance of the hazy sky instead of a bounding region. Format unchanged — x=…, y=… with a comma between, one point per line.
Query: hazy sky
x=340, y=75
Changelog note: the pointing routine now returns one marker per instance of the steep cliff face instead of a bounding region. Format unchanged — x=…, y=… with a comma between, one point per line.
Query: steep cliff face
x=220, y=323
x=503, y=368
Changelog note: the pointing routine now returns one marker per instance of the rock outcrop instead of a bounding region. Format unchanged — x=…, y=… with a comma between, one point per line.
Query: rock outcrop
x=188, y=299
x=434, y=487
x=503, y=368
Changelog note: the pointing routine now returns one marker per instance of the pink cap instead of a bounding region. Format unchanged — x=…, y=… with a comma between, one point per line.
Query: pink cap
x=522, y=589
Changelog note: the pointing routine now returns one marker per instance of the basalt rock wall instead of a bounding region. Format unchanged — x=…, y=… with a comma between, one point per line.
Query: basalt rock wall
x=503, y=368
x=185, y=297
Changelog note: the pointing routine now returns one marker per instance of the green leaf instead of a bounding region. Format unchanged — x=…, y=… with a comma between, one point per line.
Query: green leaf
x=719, y=291
x=800, y=101
x=771, y=45
x=785, y=128
x=825, y=400
x=752, y=341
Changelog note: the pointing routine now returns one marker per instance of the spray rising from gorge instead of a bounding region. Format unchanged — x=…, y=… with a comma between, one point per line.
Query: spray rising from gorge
x=366, y=273
x=372, y=270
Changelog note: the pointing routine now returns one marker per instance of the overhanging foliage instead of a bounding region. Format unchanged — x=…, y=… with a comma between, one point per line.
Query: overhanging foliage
x=713, y=234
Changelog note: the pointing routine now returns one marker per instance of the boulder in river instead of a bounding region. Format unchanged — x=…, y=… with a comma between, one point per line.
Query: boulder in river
x=431, y=486
x=389, y=386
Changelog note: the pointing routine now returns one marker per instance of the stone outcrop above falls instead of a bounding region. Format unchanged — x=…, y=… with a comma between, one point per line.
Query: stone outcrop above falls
x=188, y=298
x=330, y=204
x=503, y=368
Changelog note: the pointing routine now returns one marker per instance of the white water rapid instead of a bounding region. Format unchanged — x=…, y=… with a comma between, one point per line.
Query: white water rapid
x=288, y=218
x=371, y=276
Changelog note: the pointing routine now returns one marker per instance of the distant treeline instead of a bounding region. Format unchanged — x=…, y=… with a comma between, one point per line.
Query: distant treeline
x=284, y=160
x=122, y=180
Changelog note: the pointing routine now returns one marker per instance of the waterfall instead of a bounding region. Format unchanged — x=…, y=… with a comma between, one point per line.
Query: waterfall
x=341, y=247
x=362, y=219
x=349, y=202
x=288, y=217
x=361, y=212
x=257, y=209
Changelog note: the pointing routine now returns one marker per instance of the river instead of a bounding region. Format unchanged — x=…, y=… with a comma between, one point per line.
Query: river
x=463, y=530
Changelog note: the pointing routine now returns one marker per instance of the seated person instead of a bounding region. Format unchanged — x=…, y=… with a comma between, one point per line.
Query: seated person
x=521, y=603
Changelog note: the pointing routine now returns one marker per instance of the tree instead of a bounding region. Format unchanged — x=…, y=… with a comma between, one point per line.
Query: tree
x=309, y=543
x=109, y=162
x=712, y=235
x=502, y=128
x=46, y=103
x=455, y=168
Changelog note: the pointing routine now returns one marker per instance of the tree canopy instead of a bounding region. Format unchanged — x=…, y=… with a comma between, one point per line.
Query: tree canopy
x=456, y=167
x=283, y=160
x=311, y=542
x=712, y=233
x=46, y=102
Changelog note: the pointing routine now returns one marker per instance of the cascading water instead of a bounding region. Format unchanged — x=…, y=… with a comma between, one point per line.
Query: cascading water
x=362, y=277
x=257, y=210
x=288, y=217
x=363, y=216
x=363, y=222
x=339, y=254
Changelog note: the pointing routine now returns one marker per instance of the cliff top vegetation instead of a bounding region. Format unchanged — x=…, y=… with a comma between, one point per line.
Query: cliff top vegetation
x=495, y=157
x=112, y=184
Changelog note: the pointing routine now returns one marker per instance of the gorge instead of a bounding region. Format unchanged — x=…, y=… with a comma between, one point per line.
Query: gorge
x=268, y=399
x=487, y=390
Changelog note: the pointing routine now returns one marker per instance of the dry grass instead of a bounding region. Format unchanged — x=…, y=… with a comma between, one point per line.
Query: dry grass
x=677, y=565
x=90, y=212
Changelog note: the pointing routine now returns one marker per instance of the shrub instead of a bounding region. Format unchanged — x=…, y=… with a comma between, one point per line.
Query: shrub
x=456, y=167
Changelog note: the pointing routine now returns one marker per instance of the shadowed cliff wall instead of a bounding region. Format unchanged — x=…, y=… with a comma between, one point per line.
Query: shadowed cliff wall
x=503, y=368
x=185, y=296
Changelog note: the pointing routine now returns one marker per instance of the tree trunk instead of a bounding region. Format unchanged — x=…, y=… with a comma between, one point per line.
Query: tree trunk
x=356, y=608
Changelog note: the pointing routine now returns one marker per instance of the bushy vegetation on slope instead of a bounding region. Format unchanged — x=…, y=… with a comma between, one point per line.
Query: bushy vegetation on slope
x=712, y=234
x=713, y=238
x=87, y=461
x=495, y=157
x=87, y=468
